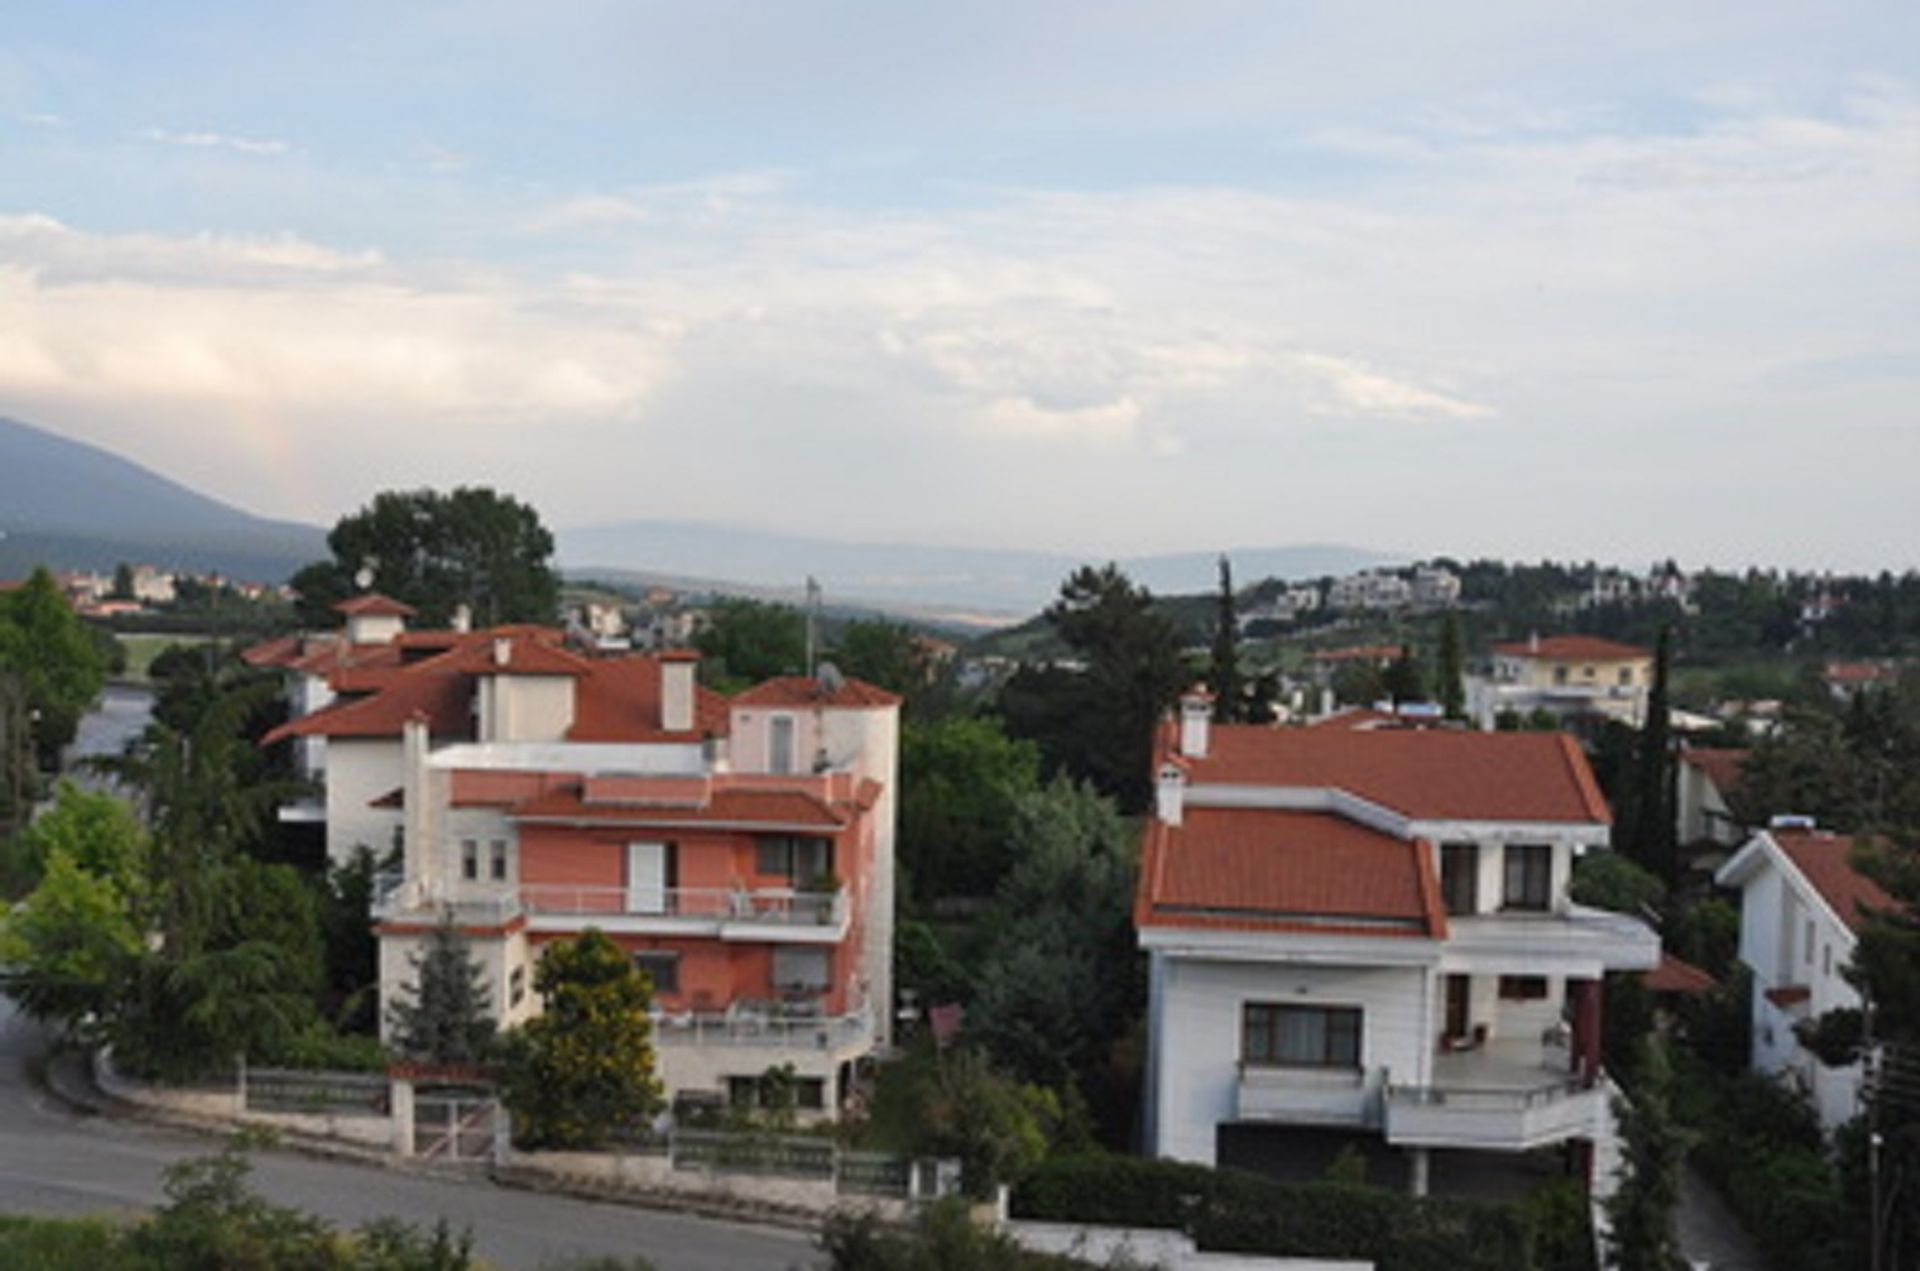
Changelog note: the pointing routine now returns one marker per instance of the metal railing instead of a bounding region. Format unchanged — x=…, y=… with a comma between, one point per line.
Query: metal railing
x=1481, y=1098
x=750, y=1026
x=393, y=894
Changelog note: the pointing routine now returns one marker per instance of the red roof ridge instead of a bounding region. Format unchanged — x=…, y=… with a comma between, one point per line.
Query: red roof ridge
x=373, y=603
x=1595, y=648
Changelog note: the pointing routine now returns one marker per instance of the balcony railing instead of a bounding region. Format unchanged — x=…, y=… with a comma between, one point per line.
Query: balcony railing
x=1511, y=1120
x=705, y=908
x=764, y=1024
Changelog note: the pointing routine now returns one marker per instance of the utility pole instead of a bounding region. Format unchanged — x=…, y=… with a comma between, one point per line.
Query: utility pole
x=813, y=613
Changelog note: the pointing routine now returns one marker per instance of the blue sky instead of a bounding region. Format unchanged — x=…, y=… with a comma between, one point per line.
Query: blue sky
x=1620, y=280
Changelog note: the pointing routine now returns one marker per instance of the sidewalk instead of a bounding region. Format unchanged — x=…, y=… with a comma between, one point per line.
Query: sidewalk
x=1710, y=1237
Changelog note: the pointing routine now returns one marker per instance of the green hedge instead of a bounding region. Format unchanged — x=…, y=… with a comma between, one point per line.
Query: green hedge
x=1225, y=1211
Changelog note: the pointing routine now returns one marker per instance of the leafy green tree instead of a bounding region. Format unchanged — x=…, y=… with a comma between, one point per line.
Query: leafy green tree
x=995, y=1127
x=64, y=951
x=584, y=1068
x=60, y=668
x=1449, y=672
x=97, y=832
x=747, y=641
x=882, y=653
x=1608, y=880
x=1360, y=683
x=445, y=1020
x=122, y=582
x=435, y=551
x=1652, y=1149
x=1403, y=680
x=1223, y=672
x=1096, y=720
x=959, y=780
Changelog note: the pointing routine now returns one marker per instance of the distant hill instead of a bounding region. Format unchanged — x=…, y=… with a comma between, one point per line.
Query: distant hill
x=956, y=583
x=74, y=506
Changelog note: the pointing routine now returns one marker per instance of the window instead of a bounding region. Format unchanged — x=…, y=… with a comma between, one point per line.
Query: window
x=497, y=860
x=661, y=967
x=780, y=743
x=1300, y=1036
x=1586, y=672
x=801, y=969
x=1529, y=875
x=798, y=860
x=1523, y=988
x=1809, y=942
x=469, y=859
x=1626, y=675
x=517, y=986
x=1459, y=877
x=807, y=1093
x=1559, y=675
x=1826, y=959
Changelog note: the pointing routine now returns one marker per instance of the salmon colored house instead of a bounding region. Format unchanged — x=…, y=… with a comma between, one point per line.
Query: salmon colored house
x=740, y=849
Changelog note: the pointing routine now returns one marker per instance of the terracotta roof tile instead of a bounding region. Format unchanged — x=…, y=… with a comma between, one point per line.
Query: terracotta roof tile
x=1822, y=859
x=376, y=605
x=619, y=700
x=1426, y=774
x=280, y=651
x=1675, y=975
x=802, y=691
x=524, y=656
x=1720, y=765
x=724, y=806
x=1573, y=648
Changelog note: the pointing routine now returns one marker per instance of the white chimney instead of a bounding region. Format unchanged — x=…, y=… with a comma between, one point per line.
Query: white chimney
x=1169, y=794
x=1196, y=722
x=676, y=694
x=1533, y=642
x=502, y=650
x=462, y=620
x=417, y=859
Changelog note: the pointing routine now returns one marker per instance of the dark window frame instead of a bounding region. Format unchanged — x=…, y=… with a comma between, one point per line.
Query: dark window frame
x=646, y=960
x=1342, y=1033
x=1527, y=877
x=1466, y=878
x=1524, y=988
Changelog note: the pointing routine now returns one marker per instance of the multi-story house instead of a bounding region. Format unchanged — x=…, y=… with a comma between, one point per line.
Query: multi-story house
x=1802, y=904
x=1703, y=784
x=1368, y=930
x=1370, y=589
x=740, y=849
x=1435, y=587
x=1573, y=677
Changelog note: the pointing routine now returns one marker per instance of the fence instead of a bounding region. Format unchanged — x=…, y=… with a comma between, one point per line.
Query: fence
x=796, y=1157
x=336, y=1094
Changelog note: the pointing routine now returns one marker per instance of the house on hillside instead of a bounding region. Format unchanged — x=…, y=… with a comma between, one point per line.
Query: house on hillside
x=740, y=849
x=1802, y=904
x=1705, y=780
x=1366, y=932
x=1575, y=678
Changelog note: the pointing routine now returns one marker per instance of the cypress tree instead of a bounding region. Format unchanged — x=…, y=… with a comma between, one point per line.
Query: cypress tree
x=1224, y=674
x=1652, y=841
x=1450, y=687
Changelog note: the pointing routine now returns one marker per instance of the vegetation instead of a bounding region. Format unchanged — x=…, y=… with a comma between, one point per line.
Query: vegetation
x=445, y=1019
x=747, y=641
x=583, y=1070
x=436, y=551
x=1652, y=1147
x=944, y=1239
x=960, y=780
x=55, y=664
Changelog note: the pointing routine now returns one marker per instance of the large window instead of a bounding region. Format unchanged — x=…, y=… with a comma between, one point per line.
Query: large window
x=1300, y=1036
x=798, y=860
x=662, y=968
x=1529, y=876
x=1459, y=877
x=801, y=970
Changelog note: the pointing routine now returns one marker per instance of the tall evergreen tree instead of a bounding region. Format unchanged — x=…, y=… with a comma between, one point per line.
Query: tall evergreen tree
x=1223, y=675
x=1652, y=834
x=1449, y=669
x=1652, y=1146
x=1403, y=681
x=446, y=1020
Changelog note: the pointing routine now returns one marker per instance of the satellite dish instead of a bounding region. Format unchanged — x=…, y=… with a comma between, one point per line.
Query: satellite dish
x=363, y=578
x=830, y=679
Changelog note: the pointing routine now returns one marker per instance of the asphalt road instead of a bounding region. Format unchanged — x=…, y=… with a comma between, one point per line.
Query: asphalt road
x=58, y=1163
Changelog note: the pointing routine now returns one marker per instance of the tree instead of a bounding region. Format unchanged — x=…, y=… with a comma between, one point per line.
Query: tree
x=1450, y=668
x=1402, y=679
x=1223, y=672
x=959, y=780
x=1608, y=880
x=122, y=582
x=65, y=949
x=437, y=551
x=584, y=1068
x=60, y=667
x=1652, y=1147
x=882, y=653
x=98, y=832
x=746, y=641
x=1096, y=720
x=1359, y=683
x=1650, y=813
x=445, y=1020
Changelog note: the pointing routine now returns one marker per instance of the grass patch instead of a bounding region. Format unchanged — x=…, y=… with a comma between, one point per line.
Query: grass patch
x=144, y=646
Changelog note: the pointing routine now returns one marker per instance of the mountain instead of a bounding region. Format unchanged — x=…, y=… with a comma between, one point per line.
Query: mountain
x=74, y=506
x=991, y=583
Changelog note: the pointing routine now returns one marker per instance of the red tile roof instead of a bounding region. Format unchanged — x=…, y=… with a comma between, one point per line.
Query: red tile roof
x=801, y=691
x=1822, y=859
x=772, y=808
x=280, y=651
x=1358, y=717
x=1425, y=774
x=1674, y=975
x=1573, y=648
x=1858, y=673
x=1719, y=765
x=525, y=655
x=1263, y=869
x=373, y=604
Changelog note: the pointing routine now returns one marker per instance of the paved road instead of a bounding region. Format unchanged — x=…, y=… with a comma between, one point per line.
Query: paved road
x=55, y=1162
x=1710, y=1237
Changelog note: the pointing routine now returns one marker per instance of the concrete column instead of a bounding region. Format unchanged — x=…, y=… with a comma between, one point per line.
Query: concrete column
x=400, y=1114
x=1417, y=1180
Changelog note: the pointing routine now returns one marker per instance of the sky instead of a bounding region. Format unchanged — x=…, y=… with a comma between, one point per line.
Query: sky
x=1611, y=280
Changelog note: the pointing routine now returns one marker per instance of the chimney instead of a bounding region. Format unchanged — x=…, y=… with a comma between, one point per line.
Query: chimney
x=1533, y=642
x=676, y=694
x=502, y=650
x=1170, y=794
x=462, y=620
x=1196, y=721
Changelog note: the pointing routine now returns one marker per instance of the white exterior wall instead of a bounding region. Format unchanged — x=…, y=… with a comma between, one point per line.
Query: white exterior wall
x=1703, y=812
x=525, y=707
x=360, y=770
x=497, y=957
x=374, y=628
x=305, y=695
x=1196, y=1043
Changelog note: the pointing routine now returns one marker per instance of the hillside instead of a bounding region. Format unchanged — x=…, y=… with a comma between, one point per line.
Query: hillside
x=74, y=506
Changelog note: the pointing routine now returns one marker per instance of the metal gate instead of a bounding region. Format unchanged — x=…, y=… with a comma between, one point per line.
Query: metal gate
x=454, y=1125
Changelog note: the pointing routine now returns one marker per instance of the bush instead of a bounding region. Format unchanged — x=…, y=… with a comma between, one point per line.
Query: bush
x=1225, y=1211
x=318, y=1048
x=945, y=1239
x=1761, y=1146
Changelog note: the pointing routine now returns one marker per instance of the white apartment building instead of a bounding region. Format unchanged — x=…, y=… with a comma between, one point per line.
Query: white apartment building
x=1368, y=929
x=1801, y=909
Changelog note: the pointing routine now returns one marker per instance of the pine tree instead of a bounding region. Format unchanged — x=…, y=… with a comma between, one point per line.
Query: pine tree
x=1450, y=664
x=1652, y=1147
x=1224, y=674
x=446, y=1020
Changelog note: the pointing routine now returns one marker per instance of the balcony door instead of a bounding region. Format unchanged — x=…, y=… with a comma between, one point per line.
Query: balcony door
x=648, y=869
x=1459, y=1007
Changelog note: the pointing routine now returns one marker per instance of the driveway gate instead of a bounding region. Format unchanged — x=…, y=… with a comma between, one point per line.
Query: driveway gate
x=454, y=1124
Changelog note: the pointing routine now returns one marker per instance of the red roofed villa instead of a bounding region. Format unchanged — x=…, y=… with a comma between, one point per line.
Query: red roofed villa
x=1572, y=677
x=1367, y=932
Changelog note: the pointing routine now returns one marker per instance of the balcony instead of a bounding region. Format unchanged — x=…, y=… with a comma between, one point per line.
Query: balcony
x=1307, y=1096
x=781, y=914
x=1573, y=941
x=765, y=1025
x=1504, y=1096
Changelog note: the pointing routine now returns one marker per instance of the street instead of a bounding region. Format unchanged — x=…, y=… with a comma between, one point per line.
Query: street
x=57, y=1163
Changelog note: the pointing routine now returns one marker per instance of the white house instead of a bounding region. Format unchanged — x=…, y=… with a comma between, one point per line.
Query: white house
x=1801, y=909
x=1369, y=929
x=1707, y=775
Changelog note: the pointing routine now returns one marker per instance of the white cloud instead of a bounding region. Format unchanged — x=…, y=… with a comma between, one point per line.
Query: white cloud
x=202, y=140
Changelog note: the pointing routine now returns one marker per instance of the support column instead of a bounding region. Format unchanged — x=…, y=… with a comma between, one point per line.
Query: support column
x=400, y=1114
x=1417, y=1180
x=1586, y=1029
